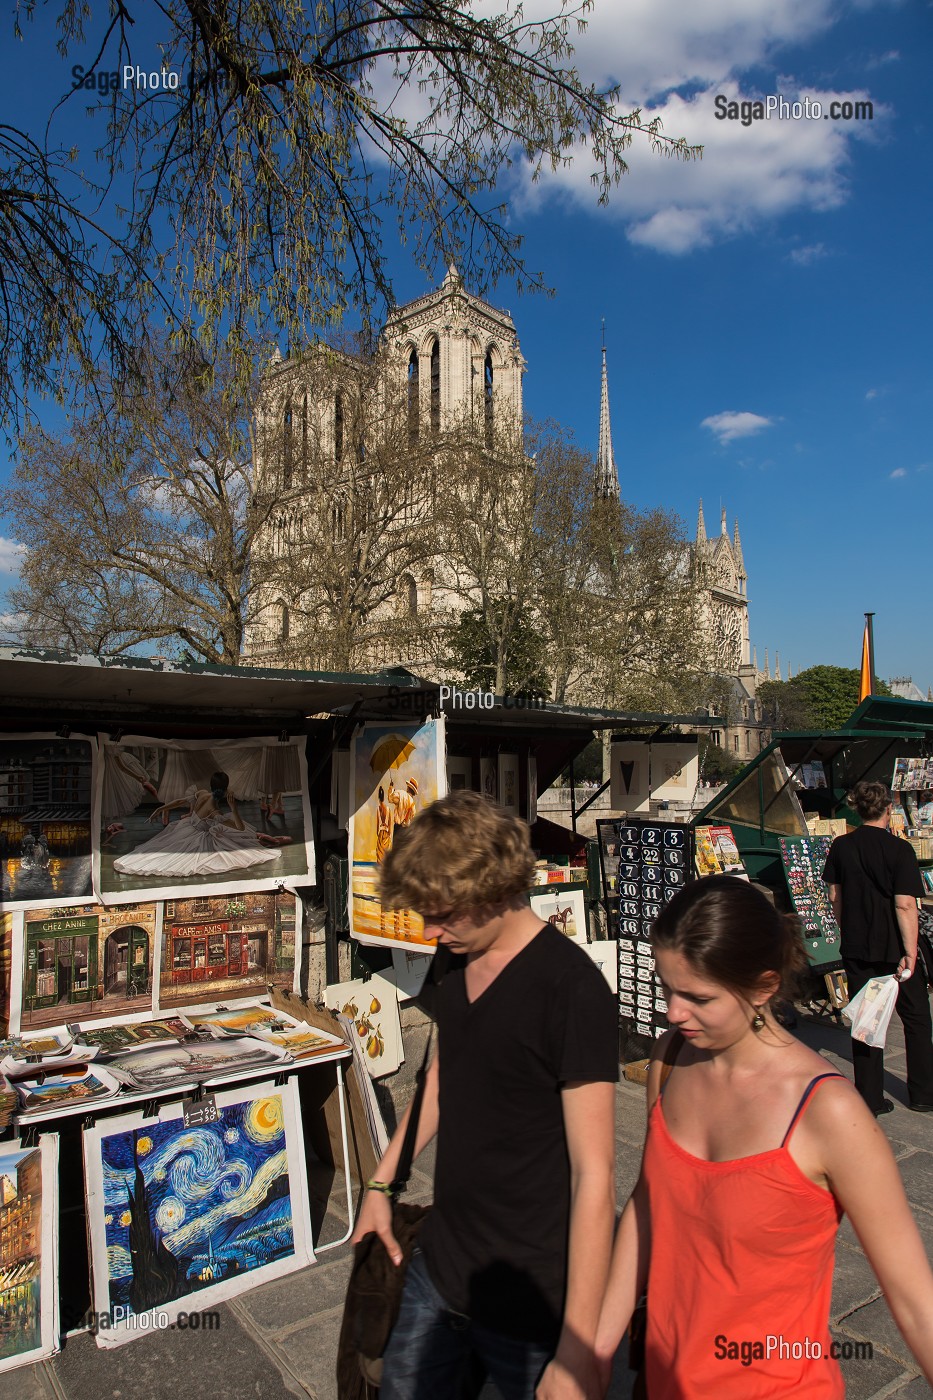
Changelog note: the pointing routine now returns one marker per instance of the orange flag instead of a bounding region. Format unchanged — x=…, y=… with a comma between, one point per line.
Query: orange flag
x=866, y=684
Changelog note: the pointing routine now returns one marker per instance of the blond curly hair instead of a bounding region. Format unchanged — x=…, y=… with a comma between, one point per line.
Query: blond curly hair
x=463, y=852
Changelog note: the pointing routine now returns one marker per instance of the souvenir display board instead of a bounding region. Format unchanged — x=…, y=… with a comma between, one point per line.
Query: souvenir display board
x=181, y=817
x=28, y=1251
x=717, y=853
x=396, y=771
x=655, y=861
x=46, y=795
x=803, y=858
x=181, y=1217
x=912, y=774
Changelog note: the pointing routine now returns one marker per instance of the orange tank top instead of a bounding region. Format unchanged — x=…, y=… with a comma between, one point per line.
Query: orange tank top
x=741, y=1274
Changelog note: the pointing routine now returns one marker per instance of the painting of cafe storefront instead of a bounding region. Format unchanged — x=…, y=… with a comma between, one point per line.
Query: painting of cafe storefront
x=87, y=961
x=226, y=945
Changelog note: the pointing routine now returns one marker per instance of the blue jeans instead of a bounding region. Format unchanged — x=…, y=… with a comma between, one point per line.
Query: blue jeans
x=431, y=1349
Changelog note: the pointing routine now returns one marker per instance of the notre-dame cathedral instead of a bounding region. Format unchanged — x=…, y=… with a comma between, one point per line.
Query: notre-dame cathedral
x=450, y=357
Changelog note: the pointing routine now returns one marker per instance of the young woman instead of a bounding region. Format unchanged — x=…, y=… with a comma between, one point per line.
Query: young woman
x=755, y=1149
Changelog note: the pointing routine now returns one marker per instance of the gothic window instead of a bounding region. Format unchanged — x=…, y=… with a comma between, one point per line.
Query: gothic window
x=338, y=427
x=487, y=398
x=304, y=433
x=287, y=444
x=735, y=742
x=283, y=621
x=408, y=595
x=338, y=517
x=716, y=737
x=414, y=404
x=436, y=387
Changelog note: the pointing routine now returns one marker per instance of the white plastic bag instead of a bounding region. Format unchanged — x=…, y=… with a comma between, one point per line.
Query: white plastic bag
x=870, y=1010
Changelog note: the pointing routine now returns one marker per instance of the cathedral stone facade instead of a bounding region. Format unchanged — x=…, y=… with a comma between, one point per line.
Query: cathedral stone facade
x=447, y=361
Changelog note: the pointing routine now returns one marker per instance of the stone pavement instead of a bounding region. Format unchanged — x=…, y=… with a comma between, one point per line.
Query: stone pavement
x=280, y=1340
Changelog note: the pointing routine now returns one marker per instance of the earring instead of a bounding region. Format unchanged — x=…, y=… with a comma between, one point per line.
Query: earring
x=758, y=1021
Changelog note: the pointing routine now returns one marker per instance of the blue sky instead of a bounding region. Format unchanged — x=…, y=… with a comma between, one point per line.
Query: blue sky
x=784, y=279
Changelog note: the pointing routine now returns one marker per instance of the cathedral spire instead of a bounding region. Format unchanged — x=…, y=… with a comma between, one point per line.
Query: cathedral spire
x=767, y=667
x=755, y=658
x=737, y=551
x=777, y=665
x=607, y=478
x=724, y=527
x=701, y=525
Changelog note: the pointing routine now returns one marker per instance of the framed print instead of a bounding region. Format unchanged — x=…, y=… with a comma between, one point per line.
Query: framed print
x=85, y=963
x=508, y=783
x=605, y=954
x=181, y=817
x=532, y=789
x=203, y=1061
x=397, y=771
x=372, y=1007
x=459, y=774
x=28, y=1251
x=228, y=947
x=487, y=777
x=566, y=910
x=46, y=800
x=181, y=1218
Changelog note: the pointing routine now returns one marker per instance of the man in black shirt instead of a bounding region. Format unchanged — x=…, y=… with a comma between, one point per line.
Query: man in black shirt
x=513, y=1257
x=874, y=884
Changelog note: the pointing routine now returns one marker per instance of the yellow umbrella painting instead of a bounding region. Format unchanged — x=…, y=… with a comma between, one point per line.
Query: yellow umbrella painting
x=391, y=752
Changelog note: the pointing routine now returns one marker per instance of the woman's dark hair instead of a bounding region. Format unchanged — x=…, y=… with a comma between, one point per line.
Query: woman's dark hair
x=219, y=784
x=729, y=932
x=870, y=800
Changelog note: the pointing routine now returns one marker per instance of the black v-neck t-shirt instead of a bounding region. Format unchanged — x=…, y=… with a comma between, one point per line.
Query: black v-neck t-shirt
x=495, y=1242
x=871, y=866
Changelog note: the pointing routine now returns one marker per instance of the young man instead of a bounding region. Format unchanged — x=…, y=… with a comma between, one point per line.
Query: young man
x=874, y=884
x=512, y=1259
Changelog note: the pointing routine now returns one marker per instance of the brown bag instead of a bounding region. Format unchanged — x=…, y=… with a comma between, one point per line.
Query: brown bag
x=374, y=1295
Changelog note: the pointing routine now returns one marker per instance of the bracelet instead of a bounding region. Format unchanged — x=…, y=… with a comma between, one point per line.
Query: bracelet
x=385, y=1188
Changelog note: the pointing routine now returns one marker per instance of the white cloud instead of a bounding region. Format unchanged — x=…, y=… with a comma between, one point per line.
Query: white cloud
x=872, y=394
x=731, y=425
x=747, y=175
x=898, y=473
x=812, y=253
x=650, y=47
x=12, y=555
x=673, y=58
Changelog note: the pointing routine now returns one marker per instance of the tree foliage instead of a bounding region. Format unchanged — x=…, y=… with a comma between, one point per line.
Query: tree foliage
x=822, y=697
x=257, y=192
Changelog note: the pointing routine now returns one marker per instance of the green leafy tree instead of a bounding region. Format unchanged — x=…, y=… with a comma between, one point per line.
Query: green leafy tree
x=477, y=648
x=822, y=697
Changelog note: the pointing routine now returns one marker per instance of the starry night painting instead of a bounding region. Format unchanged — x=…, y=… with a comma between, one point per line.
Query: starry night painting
x=182, y=1217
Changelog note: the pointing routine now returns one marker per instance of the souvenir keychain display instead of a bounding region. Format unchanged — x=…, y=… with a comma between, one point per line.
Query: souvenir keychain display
x=803, y=858
x=654, y=862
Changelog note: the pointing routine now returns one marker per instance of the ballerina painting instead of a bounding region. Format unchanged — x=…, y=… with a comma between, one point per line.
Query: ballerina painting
x=212, y=825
